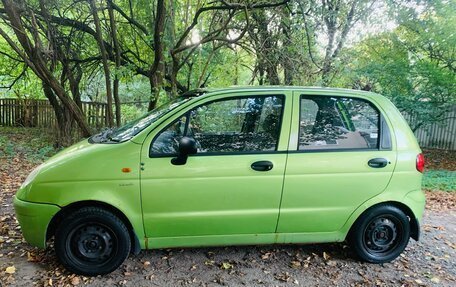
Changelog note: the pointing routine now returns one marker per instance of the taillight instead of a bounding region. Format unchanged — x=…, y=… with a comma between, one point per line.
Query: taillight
x=420, y=162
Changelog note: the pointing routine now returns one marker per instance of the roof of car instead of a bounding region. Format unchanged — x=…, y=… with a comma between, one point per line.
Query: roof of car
x=202, y=91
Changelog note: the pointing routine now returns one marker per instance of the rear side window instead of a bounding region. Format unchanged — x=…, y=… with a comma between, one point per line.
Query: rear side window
x=328, y=123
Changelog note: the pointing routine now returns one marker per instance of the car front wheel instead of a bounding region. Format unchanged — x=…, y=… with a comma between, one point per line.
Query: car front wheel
x=92, y=241
x=380, y=234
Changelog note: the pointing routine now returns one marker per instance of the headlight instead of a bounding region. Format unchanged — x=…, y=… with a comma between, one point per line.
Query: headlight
x=31, y=176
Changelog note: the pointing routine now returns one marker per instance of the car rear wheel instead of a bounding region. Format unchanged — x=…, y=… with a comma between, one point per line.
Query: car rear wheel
x=380, y=234
x=92, y=241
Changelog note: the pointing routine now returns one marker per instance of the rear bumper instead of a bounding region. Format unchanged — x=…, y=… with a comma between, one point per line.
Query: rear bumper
x=34, y=219
x=416, y=201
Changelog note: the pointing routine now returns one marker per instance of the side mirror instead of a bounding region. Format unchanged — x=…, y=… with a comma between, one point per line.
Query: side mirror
x=187, y=146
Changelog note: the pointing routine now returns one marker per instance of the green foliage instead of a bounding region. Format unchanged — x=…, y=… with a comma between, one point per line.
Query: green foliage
x=444, y=180
x=414, y=65
x=36, y=145
x=132, y=111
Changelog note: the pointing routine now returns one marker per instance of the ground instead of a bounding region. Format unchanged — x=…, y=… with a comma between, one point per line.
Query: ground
x=429, y=262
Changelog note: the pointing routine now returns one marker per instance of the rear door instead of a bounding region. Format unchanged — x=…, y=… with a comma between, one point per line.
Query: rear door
x=340, y=156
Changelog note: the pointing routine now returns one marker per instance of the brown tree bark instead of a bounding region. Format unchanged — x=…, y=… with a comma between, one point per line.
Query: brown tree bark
x=265, y=44
x=287, y=55
x=62, y=115
x=117, y=61
x=104, y=60
x=157, y=71
x=332, y=10
x=32, y=54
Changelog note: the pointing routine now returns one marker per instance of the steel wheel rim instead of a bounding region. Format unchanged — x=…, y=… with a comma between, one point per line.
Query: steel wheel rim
x=91, y=243
x=382, y=235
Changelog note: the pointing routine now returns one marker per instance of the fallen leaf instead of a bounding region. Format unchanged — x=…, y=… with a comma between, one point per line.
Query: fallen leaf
x=226, y=265
x=326, y=256
x=331, y=263
x=10, y=269
x=295, y=264
x=146, y=263
x=31, y=257
x=209, y=262
x=75, y=281
x=285, y=277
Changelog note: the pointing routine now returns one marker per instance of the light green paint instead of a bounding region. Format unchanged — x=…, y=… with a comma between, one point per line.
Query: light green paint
x=219, y=200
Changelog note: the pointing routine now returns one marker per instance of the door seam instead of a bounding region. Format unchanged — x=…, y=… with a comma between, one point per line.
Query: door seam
x=286, y=162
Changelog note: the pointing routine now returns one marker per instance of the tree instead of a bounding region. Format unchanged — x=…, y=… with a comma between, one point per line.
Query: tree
x=334, y=19
x=414, y=65
x=104, y=61
x=32, y=51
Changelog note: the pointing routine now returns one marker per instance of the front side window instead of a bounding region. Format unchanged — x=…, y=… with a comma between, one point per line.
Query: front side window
x=337, y=123
x=244, y=124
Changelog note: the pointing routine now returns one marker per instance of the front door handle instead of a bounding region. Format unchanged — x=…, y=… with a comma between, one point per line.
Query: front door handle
x=378, y=162
x=262, y=165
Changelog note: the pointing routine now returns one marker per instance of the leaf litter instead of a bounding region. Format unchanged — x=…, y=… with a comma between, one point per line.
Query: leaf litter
x=427, y=262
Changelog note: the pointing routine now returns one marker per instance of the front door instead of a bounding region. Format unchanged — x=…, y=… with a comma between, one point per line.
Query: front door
x=233, y=184
x=340, y=156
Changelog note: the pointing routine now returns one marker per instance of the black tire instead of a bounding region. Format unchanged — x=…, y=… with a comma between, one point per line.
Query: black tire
x=92, y=241
x=380, y=234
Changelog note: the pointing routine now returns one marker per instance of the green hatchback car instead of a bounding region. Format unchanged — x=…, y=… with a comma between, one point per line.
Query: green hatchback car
x=257, y=165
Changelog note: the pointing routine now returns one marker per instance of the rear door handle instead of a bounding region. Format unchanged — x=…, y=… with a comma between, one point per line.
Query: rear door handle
x=262, y=165
x=378, y=162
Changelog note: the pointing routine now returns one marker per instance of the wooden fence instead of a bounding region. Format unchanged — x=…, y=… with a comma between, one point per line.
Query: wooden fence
x=440, y=135
x=39, y=113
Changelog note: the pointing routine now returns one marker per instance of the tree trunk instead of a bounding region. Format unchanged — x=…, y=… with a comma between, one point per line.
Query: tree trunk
x=33, y=58
x=332, y=14
x=117, y=60
x=63, y=118
x=265, y=48
x=287, y=53
x=104, y=59
x=327, y=63
x=157, y=71
x=175, y=58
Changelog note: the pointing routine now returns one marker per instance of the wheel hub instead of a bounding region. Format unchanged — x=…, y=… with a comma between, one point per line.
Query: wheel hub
x=381, y=235
x=92, y=242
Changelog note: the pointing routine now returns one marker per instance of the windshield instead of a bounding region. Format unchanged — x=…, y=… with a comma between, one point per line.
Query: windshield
x=132, y=128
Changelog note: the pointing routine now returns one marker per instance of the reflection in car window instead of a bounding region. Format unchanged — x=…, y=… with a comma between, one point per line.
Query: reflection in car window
x=337, y=123
x=243, y=124
x=167, y=142
x=131, y=129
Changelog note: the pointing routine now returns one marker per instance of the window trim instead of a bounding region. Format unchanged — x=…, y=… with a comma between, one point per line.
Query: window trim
x=379, y=126
x=187, y=115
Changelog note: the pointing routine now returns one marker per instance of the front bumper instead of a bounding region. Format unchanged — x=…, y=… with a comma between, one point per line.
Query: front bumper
x=34, y=219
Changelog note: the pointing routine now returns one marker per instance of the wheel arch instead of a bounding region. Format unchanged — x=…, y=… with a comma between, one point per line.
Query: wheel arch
x=58, y=217
x=414, y=224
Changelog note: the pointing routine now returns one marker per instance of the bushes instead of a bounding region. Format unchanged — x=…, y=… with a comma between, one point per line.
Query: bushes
x=444, y=180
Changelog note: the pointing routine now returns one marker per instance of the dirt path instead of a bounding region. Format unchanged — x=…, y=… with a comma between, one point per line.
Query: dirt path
x=428, y=262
